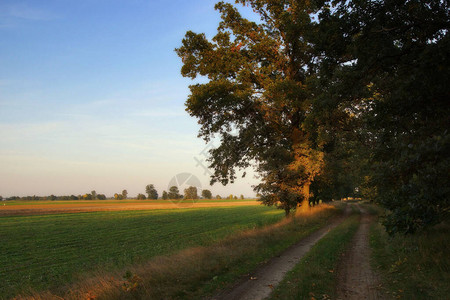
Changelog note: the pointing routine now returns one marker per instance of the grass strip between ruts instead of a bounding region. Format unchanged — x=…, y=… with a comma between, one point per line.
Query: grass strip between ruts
x=314, y=277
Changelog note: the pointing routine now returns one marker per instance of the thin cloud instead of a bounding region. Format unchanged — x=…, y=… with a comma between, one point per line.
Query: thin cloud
x=5, y=82
x=159, y=113
x=14, y=131
x=26, y=12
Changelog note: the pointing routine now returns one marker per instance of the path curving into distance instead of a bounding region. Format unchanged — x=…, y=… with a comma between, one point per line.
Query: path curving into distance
x=260, y=284
x=356, y=279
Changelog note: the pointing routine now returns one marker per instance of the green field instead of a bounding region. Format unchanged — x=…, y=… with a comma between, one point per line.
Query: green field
x=42, y=252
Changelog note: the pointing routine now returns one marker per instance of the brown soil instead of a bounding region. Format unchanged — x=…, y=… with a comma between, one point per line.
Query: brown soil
x=260, y=284
x=40, y=209
x=356, y=279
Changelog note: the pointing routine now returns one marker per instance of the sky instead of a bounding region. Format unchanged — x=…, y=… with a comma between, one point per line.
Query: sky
x=91, y=97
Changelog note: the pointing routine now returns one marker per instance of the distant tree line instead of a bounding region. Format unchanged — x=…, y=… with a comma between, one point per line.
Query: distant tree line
x=56, y=198
x=190, y=193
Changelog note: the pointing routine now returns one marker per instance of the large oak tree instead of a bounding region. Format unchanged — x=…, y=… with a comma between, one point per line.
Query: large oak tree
x=256, y=98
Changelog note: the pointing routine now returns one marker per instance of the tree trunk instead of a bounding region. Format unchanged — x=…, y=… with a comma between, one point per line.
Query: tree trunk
x=287, y=212
x=304, y=206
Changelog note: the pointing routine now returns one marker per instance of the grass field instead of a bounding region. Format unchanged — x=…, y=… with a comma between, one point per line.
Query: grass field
x=198, y=272
x=41, y=252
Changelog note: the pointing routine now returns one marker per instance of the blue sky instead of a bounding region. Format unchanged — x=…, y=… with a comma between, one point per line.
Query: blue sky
x=91, y=96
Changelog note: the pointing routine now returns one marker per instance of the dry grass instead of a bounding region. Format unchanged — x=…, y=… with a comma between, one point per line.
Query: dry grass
x=199, y=271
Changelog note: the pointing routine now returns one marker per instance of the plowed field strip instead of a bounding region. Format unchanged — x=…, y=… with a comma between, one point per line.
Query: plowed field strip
x=41, y=209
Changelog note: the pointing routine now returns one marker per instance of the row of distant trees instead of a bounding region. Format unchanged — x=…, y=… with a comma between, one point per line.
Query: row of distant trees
x=173, y=193
x=91, y=196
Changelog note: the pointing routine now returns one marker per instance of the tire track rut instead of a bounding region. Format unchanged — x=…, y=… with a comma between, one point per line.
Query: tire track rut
x=356, y=279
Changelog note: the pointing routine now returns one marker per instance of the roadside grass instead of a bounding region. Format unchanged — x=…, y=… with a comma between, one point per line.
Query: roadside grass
x=48, y=251
x=414, y=266
x=315, y=276
x=198, y=272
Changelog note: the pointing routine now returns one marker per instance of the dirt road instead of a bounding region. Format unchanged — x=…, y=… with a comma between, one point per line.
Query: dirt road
x=260, y=284
x=356, y=279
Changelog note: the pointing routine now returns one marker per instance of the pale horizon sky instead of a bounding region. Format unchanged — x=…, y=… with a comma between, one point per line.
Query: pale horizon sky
x=91, y=97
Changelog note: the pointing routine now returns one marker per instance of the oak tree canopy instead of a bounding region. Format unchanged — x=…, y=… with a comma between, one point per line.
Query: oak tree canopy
x=257, y=97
